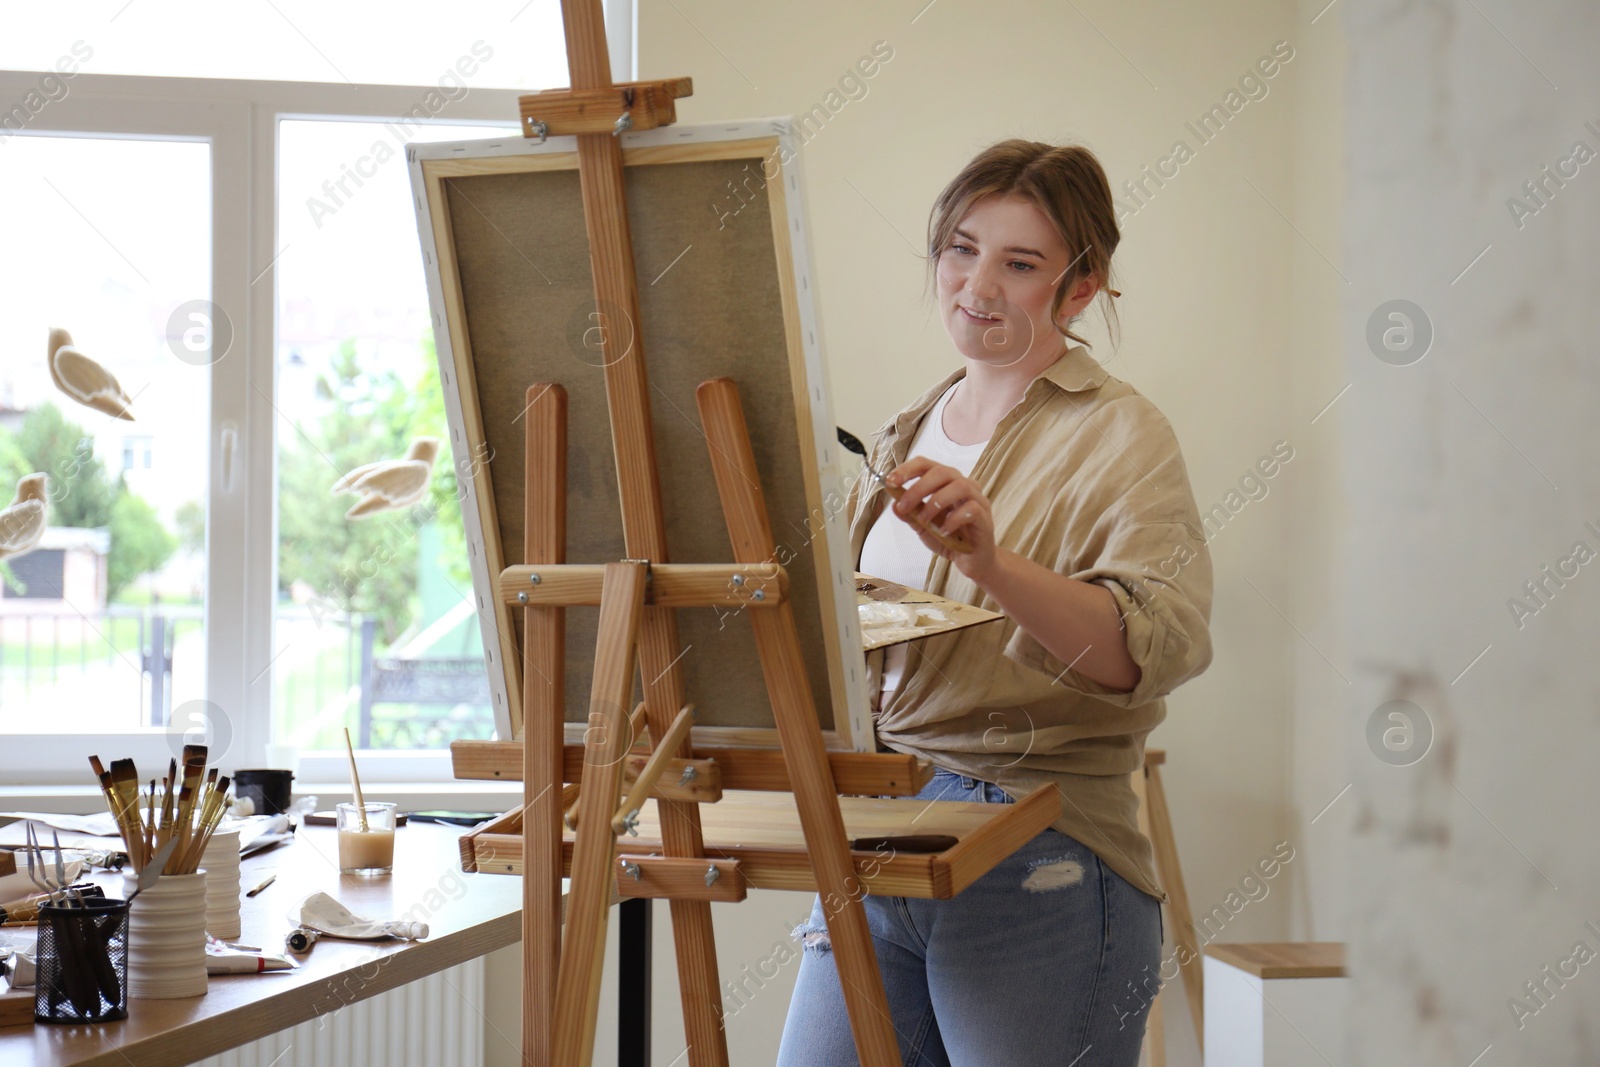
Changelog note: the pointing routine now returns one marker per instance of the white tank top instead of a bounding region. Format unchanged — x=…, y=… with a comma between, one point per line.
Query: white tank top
x=892, y=549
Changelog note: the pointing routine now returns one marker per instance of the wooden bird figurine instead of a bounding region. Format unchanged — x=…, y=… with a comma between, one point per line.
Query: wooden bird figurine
x=391, y=484
x=22, y=523
x=84, y=380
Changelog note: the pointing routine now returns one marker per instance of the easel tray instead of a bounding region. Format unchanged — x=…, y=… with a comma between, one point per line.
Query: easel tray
x=762, y=831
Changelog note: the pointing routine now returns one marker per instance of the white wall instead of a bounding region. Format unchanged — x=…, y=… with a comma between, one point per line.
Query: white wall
x=1469, y=471
x=1226, y=321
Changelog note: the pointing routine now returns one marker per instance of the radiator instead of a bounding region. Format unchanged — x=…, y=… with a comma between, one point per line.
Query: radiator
x=431, y=1022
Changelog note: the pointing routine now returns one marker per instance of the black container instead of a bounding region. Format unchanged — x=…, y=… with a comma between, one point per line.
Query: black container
x=269, y=789
x=83, y=962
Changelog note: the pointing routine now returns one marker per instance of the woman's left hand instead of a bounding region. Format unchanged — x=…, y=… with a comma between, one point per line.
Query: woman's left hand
x=951, y=502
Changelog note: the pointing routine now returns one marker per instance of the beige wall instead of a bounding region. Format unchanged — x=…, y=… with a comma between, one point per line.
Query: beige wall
x=1314, y=550
x=1225, y=325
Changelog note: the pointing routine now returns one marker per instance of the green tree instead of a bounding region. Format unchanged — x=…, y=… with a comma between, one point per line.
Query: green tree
x=368, y=565
x=431, y=420
x=190, y=518
x=140, y=543
x=81, y=492
x=13, y=464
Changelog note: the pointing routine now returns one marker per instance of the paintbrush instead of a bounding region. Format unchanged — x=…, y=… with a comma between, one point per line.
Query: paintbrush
x=183, y=825
x=194, y=768
x=355, y=780
x=150, y=826
x=173, y=832
x=104, y=777
x=210, y=787
x=211, y=813
x=852, y=443
x=167, y=790
x=114, y=803
x=125, y=792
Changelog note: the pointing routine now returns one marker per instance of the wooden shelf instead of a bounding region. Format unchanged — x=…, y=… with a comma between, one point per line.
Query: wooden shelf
x=1283, y=959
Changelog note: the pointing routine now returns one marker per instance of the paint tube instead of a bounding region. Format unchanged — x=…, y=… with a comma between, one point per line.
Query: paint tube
x=222, y=960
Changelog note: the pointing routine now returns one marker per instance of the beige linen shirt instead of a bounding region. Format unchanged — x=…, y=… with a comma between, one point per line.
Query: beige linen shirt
x=1085, y=477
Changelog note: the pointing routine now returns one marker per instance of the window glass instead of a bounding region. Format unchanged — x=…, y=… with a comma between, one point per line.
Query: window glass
x=375, y=628
x=102, y=570
x=513, y=45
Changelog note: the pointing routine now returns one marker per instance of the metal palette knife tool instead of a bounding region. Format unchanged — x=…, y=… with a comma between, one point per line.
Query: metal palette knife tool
x=67, y=893
x=852, y=443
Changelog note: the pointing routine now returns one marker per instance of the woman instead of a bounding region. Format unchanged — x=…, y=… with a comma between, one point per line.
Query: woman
x=1070, y=488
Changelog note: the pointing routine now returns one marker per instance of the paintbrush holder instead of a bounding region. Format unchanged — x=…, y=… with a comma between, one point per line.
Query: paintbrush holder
x=82, y=962
x=167, y=937
x=221, y=863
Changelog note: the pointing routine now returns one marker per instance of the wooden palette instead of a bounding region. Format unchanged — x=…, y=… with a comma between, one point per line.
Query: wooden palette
x=933, y=614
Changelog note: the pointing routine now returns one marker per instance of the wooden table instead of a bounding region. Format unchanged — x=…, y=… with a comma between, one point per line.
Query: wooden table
x=427, y=885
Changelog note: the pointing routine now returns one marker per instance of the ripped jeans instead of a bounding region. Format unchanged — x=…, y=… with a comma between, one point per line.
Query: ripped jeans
x=1049, y=959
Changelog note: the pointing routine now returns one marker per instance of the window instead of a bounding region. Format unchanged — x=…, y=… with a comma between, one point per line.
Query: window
x=209, y=243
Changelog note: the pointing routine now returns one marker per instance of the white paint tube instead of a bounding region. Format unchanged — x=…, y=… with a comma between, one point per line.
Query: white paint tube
x=230, y=962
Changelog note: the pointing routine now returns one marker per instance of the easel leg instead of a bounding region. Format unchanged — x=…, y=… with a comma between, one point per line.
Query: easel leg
x=1154, y=1051
x=1166, y=848
x=799, y=730
x=692, y=935
x=593, y=881
x=1155, y=1036
x=543, y=710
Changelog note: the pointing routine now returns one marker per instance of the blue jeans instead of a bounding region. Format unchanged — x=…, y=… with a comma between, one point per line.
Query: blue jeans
x=1049, y=959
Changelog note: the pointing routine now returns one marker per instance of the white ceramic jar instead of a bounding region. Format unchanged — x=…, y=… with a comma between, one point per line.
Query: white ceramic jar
x=167, y=936
x=220, y=861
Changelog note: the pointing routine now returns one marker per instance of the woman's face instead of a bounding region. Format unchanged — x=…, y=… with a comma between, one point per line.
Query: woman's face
x=996, y=281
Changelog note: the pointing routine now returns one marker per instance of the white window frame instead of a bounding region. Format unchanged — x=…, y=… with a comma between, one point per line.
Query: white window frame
x=240, y=120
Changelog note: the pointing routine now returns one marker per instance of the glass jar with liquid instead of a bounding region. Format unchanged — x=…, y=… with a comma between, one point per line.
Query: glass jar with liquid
x=366, y=844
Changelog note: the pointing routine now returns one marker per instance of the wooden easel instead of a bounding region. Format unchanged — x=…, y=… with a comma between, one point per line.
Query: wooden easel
x=638, y=597
x=561, y=1000
x=691, y=881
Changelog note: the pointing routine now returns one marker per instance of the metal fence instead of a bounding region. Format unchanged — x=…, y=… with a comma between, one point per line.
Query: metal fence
x=459, y=685
x=122, y=652
x=115, y=657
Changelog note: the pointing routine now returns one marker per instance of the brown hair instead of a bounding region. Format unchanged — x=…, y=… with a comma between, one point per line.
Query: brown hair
x=1066, y=182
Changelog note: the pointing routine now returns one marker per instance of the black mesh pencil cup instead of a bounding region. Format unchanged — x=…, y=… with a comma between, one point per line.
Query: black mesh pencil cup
x=83, y=962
